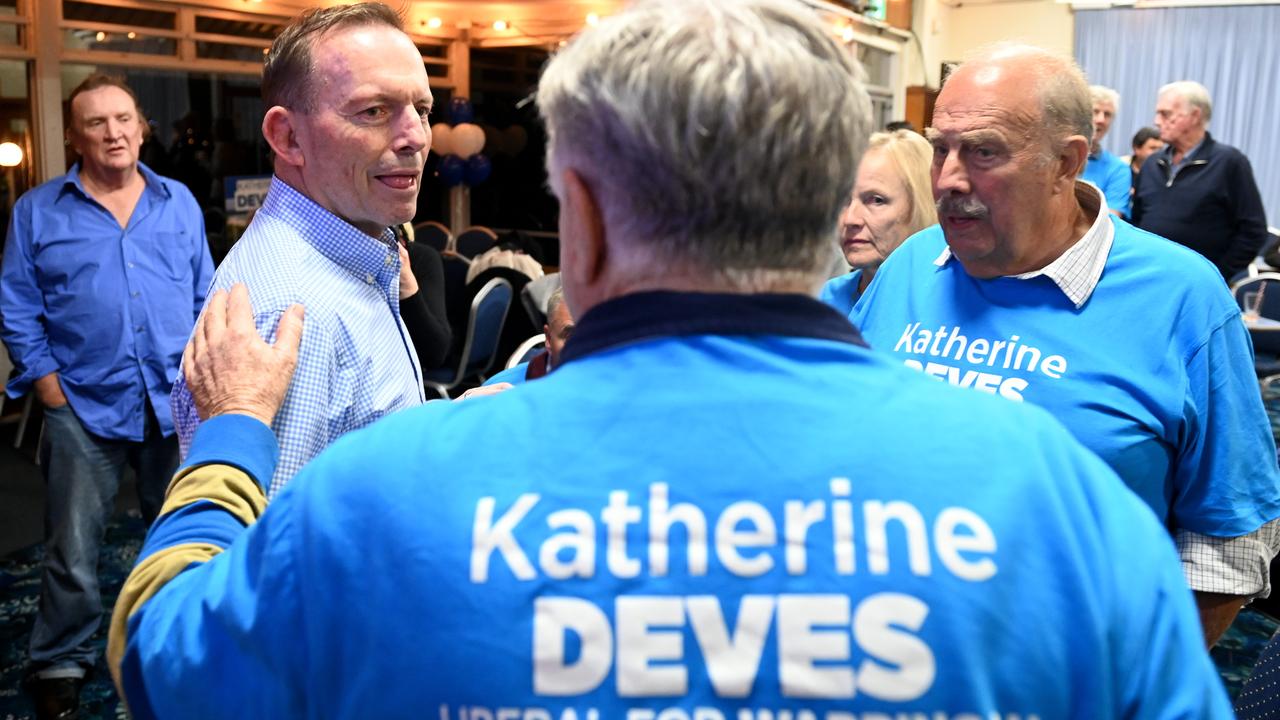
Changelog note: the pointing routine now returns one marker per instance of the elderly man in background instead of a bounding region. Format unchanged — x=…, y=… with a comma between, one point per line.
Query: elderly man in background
x=1103, y=169
x=347, y=103
x=558, y=328
x=1030, y=290
x=667, y=527
x=1197, y=191
x=105, y=270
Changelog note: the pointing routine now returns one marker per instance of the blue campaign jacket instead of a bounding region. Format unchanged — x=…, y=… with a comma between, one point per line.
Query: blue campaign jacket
x=727, y=508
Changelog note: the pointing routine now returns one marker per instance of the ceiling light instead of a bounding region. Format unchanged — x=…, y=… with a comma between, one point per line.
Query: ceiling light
x=847, y=33
x=500, y=25
x=434, y=22
x=592, y=18
x=101, y=36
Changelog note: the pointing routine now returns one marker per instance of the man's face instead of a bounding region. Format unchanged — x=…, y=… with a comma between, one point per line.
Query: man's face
x=1103, y=113
x=364, y=144
x=558, y=329
x=1140, y=154
x=106, y=130
x=992, y=172
x=1175, y=118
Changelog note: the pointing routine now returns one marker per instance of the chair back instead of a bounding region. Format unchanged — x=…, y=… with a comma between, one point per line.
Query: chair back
x=480, y=344
x=488, y=314
x=432, y=233
x=526, y=350
x=475, y=240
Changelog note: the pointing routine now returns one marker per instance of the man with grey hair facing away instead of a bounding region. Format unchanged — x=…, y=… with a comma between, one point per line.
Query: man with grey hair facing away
x=721, y=505
x=1029, y=289
x=1197, y=191
x=1103, y=169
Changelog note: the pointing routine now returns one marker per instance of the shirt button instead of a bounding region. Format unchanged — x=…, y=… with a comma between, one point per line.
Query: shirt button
x=135, y=293
x=130, y=264
x=389, y=260
x=368, y=279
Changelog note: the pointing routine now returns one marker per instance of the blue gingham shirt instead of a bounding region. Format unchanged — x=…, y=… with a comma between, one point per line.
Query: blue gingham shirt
x=356, y=363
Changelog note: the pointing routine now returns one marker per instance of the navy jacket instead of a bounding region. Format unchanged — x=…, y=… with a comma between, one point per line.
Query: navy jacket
x=1211, y=204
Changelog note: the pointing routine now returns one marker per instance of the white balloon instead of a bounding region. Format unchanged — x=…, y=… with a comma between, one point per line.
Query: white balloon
x=441, y=139
x=467, y=140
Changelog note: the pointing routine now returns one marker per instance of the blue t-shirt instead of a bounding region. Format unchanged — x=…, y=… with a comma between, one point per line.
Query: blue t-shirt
x=1113, y=177
x=705, y=524
x=1154, y=373
x=841, y=291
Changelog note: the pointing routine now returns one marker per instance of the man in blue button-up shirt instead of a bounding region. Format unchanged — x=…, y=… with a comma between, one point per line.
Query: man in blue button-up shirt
x=104, y=271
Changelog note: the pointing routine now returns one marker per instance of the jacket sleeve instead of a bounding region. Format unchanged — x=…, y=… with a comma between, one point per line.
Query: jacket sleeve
x=22, y=321
x=1250, y=227
x=209, y=576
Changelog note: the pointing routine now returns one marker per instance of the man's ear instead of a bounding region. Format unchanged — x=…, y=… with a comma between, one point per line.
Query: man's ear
x=1071, y=160
x=585, y=221
x=278, y=127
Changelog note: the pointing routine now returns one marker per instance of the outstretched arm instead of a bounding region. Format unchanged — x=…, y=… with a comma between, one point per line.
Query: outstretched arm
x=238, y=383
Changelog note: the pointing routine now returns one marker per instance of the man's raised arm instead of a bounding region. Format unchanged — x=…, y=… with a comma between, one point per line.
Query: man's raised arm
x=238, y=383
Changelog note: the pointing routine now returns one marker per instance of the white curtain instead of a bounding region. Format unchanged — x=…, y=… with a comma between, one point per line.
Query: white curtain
x=1232, y=50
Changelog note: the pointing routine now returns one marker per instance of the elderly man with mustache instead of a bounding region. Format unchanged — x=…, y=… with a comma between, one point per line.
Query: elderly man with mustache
x=1030, y=289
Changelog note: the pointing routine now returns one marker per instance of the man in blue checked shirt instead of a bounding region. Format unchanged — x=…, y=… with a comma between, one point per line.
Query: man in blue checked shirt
x=348, y=102
x=105, y=270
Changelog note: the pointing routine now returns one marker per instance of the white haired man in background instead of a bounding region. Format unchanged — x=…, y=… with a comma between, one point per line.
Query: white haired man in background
x=1197, y=191
x=1103, y=169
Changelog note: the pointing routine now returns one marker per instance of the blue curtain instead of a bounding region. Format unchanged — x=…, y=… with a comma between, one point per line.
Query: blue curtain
x=1234, y=51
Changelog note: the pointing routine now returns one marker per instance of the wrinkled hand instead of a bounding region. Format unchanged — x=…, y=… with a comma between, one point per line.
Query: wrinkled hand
x=484, y=390
x=408, y=283
x=229, y=369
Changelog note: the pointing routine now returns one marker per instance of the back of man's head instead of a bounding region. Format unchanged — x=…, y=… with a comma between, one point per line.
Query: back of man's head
x=718, y=137
x=287, y=71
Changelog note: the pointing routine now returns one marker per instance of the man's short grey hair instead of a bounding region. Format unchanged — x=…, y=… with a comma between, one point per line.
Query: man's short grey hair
x=1102, y=93
x=719, y=137
x=1065, y=103
x=1193, y=93
x=554, y=301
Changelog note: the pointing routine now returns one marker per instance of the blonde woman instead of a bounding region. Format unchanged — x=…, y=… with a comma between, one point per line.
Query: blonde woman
x=892, y=199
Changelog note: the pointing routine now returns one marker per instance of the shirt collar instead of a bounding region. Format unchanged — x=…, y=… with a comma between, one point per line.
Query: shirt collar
x=335, y=238
x=154, y=182
x=1079, y=268
x=1188, y=156
x=650, y=315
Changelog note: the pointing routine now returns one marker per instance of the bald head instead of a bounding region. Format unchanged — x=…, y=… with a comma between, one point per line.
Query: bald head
x=1054, y=86
x=1010, y=136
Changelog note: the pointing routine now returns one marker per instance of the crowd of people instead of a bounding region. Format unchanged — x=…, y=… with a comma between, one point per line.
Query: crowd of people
x=733, y=485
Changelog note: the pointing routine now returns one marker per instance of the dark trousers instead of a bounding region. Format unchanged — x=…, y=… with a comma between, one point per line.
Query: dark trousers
x=82, y=474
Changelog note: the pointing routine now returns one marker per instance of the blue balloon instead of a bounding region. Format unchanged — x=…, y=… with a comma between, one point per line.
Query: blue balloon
x=460, y=111
x=451, y=170
x=478, y=169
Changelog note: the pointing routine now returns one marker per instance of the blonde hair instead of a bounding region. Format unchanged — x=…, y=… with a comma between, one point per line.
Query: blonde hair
x=912, y=156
